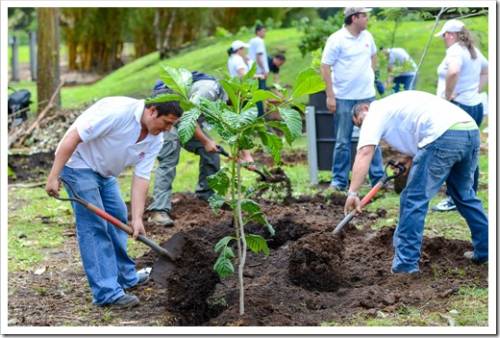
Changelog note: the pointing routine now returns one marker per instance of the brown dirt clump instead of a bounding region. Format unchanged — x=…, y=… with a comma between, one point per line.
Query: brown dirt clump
x=316, y=262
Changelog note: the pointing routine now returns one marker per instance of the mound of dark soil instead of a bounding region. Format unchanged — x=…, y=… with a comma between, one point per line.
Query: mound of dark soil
x=316, y=262
x=33, y=167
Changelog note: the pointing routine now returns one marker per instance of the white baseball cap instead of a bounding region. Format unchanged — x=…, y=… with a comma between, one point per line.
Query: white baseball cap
x=452, y=25
x=348, y=11
x=238, y=44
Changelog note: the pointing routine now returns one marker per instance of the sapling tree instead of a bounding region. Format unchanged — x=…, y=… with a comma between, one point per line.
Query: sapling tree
x=239, y=126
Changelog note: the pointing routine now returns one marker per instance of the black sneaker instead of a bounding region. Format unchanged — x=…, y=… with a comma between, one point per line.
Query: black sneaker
x=126, y=301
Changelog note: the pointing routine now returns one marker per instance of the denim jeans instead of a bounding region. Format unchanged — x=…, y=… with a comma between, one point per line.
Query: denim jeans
x=405, y=81
x=342, y=151
x=476, y=112
x=260, y=104
x=168, y=159
x=103, y=247
x=452, y=158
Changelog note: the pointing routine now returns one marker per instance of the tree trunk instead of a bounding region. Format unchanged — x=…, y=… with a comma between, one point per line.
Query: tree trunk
x=168, y=33
x=48, y=72
x=157, y=26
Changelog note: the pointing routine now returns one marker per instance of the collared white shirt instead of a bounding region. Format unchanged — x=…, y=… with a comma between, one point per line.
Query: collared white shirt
x=257, y=46
x=409, y=120
x=109, y=130
x=467, y=87
x=350, y=59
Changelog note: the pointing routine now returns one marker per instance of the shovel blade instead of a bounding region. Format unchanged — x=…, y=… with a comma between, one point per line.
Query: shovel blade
x=163, y=267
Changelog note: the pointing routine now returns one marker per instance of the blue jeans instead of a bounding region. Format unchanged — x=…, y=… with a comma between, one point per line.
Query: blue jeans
x=405, y=81
x=342, y=151
x=103, y=247
x=260, y=104
x=476, y=112
x=452, y=158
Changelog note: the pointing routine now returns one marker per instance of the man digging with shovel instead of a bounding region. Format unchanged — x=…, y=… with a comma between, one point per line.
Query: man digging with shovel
x=443, y=141
x=114, y=133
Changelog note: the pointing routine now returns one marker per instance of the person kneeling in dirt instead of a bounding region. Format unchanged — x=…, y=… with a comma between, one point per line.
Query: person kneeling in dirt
x=200, y=144
x=114, y=133
x=443, y=141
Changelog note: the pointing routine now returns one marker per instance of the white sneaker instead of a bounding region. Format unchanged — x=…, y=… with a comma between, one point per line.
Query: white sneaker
x=446, y=204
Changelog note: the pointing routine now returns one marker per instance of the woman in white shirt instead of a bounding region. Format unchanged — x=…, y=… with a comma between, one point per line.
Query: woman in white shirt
x=461, y=76
x=238, y=64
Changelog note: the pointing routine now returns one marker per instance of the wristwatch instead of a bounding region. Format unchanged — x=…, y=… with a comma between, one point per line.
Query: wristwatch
x=352, y=194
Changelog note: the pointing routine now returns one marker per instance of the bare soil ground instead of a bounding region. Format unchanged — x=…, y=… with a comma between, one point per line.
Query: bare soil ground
x=309, y=277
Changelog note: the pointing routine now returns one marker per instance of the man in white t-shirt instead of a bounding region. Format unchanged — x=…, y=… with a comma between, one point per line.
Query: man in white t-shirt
x=399, y=58
x=258, y=54
x=443, y=141
x=112, y=134
x=347, y=66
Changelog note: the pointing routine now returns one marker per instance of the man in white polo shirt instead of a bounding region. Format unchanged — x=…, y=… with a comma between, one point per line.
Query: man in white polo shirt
x=258, y=54
x=443, y=141
x=347, y=65
x=114, y=133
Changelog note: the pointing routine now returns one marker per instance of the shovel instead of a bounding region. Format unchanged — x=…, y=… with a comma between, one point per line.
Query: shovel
x=170, y=251
x=368, y=197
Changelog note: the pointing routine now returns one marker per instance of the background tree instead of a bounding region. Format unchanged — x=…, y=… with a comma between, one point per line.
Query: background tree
x=48, y=72
x=95, y=37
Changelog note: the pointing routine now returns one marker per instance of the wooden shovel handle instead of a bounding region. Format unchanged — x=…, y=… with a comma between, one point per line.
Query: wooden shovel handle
x=119, y=224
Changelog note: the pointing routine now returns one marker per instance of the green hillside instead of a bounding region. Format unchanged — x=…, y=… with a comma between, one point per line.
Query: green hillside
x=137, y=78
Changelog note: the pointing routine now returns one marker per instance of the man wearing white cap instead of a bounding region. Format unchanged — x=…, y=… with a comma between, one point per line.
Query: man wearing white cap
x=237, y=64
x=461, y=76
x=347, y=67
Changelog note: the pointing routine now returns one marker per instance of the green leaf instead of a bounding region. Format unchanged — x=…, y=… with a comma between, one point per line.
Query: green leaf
x=187, y=124
x=283, y=127
x=245, y=141
x=293, y=121
x=300, y=106
x=308, y=82
x=178, y=79
x=222, y=243
x=224, y=267
x=219, y=182
x=165, y=97
x=250, y=206
x=231, y=119
x=248, y=116
x=251, y=73
x=254, y=213
x=257, y=244
x=273, y=144
x=228, y=252
x=216, y=202
x=231, y=88
x=261, y=95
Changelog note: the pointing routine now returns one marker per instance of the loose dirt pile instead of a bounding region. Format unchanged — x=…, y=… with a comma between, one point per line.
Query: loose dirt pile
x=280, y=289
x=316, y=262
x=311, y=276
x=33, y=167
